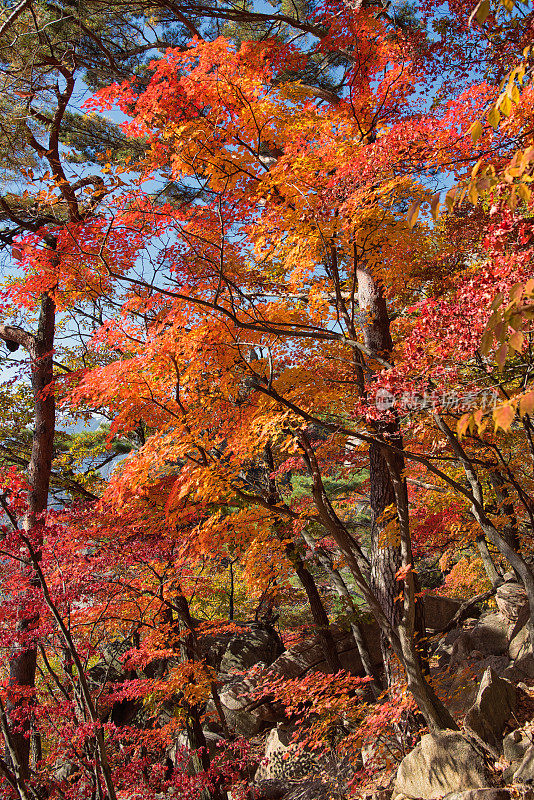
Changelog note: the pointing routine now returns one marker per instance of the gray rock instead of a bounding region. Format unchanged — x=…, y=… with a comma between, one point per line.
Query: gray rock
x=282, y=759
x=512, y=601
x=244, y=650
x=522, y=669
x=255, y=641
x=441, y=763
x=243, y=715
x=110, y=667
x=273, y=789
x=489, y=637
x=496, y=700
x=515, y=745
x=525, y=771
x=66, y=770
x=183, y=753
x=520, y=644
x=439, y=611
x=308, y=654
x=460, y=685
x=491, y=793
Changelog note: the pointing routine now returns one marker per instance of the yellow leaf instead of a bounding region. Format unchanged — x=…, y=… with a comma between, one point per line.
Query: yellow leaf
x=483, y=11
x=463, y=424
x=477, y=165
x=526, y=404
x=449, y=198
x=434, y=206
x=500, y=357
x=517, y=341
x=503, y=416
x=516, y=292
x=473, y=193
x=524, y=192
x=494, y=117
x=505, y=105
x=485, y=342
x=497, y=301
x=476, y=130
x=412, y=214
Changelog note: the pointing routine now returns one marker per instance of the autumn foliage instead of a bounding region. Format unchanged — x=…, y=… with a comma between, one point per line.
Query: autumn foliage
x=303, y=307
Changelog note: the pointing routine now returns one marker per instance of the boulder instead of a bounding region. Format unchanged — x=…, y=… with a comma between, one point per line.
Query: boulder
x=520, y=644
x=512, y=602
x=241, y=649
x=273, y=789
x=283, y=759
x=442, y=762
x=491, y=793
x=495, y=702
x=522, y=669
x=489, y=637
x=110, y=667
x=181, y=752
x=244, y=650
x=244, y=716
x=308, y=655
x=65, y=770
x=525, y=771
x=460, y=685
x=515, y=745
x=439, y=611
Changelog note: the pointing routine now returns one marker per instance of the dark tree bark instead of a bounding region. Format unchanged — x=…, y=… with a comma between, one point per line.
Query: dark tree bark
x=23, y=659
x=385, y=553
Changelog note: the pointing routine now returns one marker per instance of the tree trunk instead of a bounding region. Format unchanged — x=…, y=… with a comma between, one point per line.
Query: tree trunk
x=401, y=637
x=385, y=551
x=23, y=658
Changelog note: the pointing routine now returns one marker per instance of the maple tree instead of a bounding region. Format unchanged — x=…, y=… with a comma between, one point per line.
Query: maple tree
x=270, y=313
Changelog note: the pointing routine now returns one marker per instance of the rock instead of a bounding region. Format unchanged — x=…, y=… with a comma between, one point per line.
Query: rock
x=308, y=654
x=515, y=745
x=243, y=715
x=495, y=702
x=520, y=644
x=244, y=650
x=491, y=793
x=441, y=763
x=66, y=770
x=110, y=667
x=443, y=649
x=512, y=602
x=460, y=686
x=180, y=751
x=489, y=636
x=272, y=789
x=282, y=758
x=525, y=771
x=522, y=669
x=439, y=611
x=255, y=641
